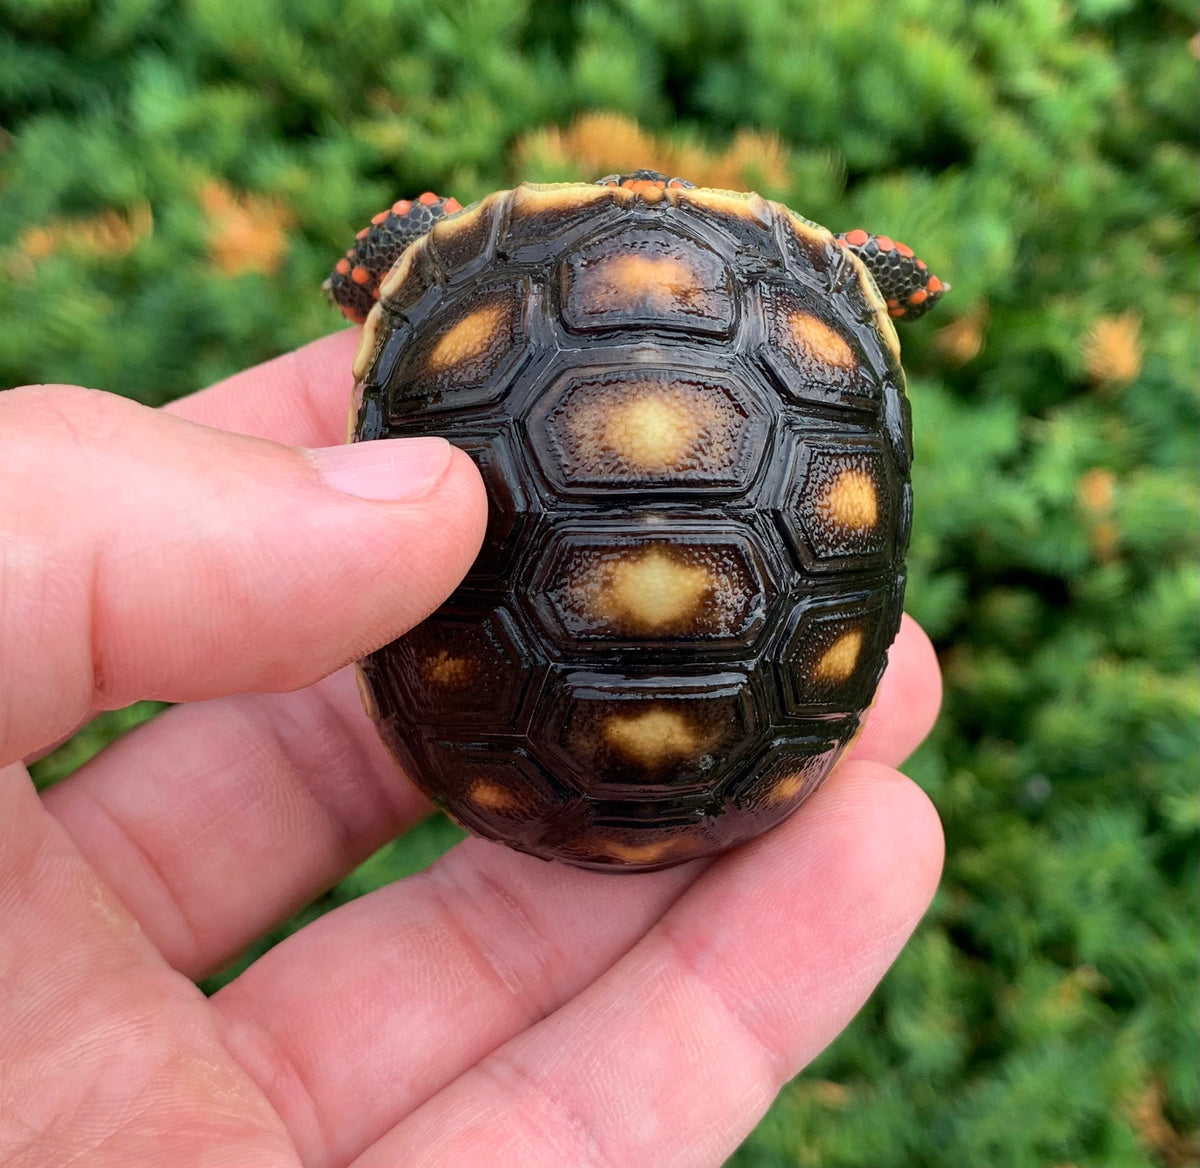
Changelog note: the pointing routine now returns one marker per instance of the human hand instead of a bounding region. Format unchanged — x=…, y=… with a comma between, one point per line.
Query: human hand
x=491, y=1011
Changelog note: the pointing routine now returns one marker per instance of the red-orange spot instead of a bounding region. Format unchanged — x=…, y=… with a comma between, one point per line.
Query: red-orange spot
x=904, y=250
x=934, y=284
x=452, y=205
x=857, y=237
x=675, y=184
x=352, y=314
x=427, y=199
x=380, y=217
x=343, y=266
x=893, y=302
x=897, y=311
x=360, y=275
x=921, y=265
x=884, y=243
x=363, y=233
x=643, y=184
x=919, y=296
x=402, y=207
x=375, y=292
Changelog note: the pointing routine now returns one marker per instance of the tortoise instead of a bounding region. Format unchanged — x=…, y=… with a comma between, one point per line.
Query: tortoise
x=689, y=412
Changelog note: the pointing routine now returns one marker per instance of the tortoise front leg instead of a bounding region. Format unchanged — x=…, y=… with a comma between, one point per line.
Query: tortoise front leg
x=904, y=281
x=353, y=285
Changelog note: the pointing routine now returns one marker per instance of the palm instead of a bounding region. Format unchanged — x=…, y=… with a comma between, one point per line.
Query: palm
x=492, y=1010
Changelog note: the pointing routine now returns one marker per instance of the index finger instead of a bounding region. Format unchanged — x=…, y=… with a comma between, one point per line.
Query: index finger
x=670, y=1056
x=299, y=398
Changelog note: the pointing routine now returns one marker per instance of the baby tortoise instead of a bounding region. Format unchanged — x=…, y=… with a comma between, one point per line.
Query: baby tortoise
x=689, y=412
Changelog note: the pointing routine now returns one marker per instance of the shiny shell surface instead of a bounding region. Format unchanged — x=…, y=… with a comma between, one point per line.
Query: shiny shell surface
x=689, y=413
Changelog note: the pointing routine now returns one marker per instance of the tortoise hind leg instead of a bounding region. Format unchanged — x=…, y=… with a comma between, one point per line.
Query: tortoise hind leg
x=904, y=281
x=353, y=285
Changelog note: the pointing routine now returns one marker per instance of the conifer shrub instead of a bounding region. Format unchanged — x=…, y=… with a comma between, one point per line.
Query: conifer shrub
x=175, y=181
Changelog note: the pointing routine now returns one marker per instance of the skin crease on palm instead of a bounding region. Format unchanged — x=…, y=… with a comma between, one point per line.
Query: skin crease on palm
x=491, y=1011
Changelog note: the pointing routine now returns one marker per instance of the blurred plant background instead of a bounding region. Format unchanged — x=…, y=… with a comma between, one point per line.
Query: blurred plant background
x=176, y=178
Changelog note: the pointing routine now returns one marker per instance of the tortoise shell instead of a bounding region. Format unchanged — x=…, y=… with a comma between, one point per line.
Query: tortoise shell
x=688, y=410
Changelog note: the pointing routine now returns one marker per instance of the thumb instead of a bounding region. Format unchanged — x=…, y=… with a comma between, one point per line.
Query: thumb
x=144, y=556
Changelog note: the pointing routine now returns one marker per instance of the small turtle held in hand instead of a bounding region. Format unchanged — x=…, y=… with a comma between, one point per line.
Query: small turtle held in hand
x=688, y=409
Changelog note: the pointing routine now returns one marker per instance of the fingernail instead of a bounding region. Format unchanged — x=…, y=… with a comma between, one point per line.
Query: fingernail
x=389, y=469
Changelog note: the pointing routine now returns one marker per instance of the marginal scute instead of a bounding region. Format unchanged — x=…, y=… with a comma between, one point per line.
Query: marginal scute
x=461, y=238
x=788, y=773
x=369, y=704
x=465, y=221
x=891, y=338
x=740, y=204
x=787, y=788
x=367, y=341
x=493, y=788
x=812, y=233
x=401, y=269
x=637, y=854
x=539, y=198
x=807, y=247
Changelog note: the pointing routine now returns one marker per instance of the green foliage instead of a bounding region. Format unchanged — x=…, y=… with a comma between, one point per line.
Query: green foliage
x=1040, y=155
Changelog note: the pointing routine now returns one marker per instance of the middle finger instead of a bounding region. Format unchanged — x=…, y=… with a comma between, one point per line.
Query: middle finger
x=219, y=819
